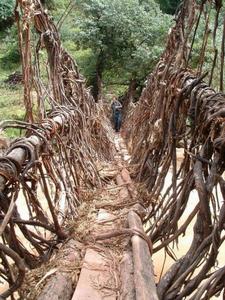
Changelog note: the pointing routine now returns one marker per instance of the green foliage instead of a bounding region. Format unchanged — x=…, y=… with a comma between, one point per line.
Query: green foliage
x=169, y=6
x=126, y=36
x=11, y=57
x=9, y=49
x=11, y=106
x=209, y=52
x=50, y=4
x=11, y=98
x=6, y=12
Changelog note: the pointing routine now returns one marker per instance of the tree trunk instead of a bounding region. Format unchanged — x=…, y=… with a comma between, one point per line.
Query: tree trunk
x=132, y=89
x=97, y=81
x=129, y=96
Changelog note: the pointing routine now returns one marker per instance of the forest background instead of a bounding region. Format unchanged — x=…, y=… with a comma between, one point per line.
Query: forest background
x=116, y=44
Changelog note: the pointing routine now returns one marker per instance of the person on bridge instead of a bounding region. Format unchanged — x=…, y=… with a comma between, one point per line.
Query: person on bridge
x=117, y=114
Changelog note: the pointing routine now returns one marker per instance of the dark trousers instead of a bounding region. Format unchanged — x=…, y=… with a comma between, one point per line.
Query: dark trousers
x=117, y=119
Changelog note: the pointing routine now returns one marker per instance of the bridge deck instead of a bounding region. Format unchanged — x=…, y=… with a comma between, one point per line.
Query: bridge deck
x=117, y=250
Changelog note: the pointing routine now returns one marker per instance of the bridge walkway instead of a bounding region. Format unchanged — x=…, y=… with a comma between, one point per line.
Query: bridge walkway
x=109, y=242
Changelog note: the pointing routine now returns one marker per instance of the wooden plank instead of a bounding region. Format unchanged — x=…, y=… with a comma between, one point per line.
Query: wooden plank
x=126, y=176
x=94, y=276
x=143, y=268
x=123, y=193
x=60, y=285
x=127, y=277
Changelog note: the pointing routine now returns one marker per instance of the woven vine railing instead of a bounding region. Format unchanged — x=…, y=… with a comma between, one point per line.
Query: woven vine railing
x=182, y=109
x=43, y=173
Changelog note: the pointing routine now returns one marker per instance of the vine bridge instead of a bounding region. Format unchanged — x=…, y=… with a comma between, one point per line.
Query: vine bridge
x=85, y=211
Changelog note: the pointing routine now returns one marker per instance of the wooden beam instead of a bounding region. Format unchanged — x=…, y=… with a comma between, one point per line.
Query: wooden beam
x=143, y=268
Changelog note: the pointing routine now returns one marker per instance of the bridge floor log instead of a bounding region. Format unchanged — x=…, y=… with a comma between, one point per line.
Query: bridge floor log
x=128, y=278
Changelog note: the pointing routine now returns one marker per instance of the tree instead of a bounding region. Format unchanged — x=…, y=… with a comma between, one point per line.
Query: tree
x=126, y=37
